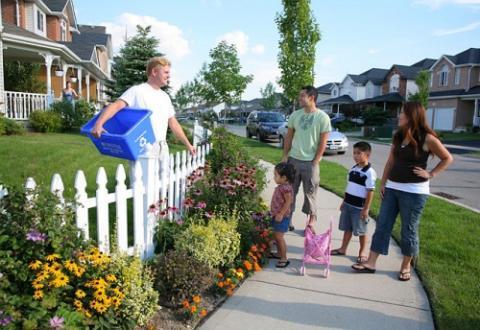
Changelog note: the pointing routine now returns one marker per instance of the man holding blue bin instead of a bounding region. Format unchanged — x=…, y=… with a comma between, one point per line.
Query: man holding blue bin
x=149, y=95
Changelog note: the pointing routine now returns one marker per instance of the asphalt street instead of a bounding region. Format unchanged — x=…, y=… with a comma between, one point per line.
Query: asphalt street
x=460, y=183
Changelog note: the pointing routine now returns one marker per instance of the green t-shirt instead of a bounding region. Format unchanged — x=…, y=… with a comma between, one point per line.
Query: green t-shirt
x=308, y=127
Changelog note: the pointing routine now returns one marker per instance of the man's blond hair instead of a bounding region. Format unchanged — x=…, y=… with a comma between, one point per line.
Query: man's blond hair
x=156, y=61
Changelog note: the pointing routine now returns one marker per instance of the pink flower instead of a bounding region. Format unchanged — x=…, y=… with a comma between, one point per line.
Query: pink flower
x=201, y=205
x=179, y=222
x=57, y=322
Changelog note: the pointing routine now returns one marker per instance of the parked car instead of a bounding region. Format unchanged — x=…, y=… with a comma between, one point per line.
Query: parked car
x=336, y=117
x=337, y=142
x=264, y=124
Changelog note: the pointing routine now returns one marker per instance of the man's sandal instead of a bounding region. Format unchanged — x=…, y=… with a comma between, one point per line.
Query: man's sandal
x=361, y=268
x=405, y=276
x=337, y=252
x=282, y=264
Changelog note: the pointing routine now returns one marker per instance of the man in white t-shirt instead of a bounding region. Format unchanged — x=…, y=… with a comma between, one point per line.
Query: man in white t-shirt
x=149, y=95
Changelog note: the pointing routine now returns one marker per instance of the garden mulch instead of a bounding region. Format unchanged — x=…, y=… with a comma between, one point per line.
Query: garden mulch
x=282, y=299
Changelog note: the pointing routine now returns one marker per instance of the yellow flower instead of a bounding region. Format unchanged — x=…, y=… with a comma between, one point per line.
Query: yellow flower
x=42, y=276
x=70, y=266
x=116, y=301
x=37, y=286
x=87, y=314
x=80, y=294
x=38, y=294
x=79, y=271
x=196, y=299
x=61, y=280
x=78, y=304
x=111, y=278
x=53, y=257
x=101, y=309
x=35, y=265
x=99, y=294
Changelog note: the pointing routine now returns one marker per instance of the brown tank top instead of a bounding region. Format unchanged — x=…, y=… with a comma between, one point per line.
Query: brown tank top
x=405, y=159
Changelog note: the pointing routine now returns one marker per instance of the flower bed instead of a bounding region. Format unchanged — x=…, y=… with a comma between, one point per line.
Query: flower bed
x=51, y=278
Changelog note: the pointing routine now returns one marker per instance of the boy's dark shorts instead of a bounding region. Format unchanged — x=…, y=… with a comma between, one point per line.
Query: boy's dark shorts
x=282, y=226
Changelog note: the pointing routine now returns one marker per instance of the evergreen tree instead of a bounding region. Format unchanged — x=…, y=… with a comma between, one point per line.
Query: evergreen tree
x=299, y=35
x=129, y=67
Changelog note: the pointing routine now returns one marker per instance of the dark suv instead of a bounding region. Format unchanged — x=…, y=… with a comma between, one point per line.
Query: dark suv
x=264, y=124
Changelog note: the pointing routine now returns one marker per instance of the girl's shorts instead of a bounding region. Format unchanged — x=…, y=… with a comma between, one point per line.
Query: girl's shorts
x=281, y=226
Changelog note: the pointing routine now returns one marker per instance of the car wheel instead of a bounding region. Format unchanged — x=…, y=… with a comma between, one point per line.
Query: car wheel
x=341, y=152
x=248, y=134
x=261, y=137
x=280, y=141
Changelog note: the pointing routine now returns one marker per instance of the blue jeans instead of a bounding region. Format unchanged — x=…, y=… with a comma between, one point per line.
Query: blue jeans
x=410, y=206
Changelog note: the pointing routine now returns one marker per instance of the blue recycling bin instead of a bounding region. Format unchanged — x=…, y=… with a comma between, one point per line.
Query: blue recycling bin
x=128, y=133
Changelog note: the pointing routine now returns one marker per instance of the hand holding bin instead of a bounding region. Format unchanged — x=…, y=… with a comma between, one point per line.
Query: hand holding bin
x=127, y=133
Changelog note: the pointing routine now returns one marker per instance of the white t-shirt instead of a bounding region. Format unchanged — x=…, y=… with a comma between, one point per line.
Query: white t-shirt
x=144, y=96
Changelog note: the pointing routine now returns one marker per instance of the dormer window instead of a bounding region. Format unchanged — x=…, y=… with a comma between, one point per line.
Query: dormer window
x=40, y=20
x=444, y=76
x=63, y=30
x=394, y=83
x=457, y=76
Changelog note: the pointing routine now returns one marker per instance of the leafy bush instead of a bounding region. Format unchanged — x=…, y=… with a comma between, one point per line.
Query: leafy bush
x=10, y=127
x=180, y=276
x=165, y=235
x=215, y=244
x=73, y=115
x=374, y=116
x=141, y=298
x=23, y=77
x=172, y=139
x=46, y=121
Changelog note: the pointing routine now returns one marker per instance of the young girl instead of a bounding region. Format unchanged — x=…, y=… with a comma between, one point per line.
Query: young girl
x=280, y=209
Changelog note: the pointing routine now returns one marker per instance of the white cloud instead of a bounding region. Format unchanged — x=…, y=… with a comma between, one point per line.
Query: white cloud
x=372, y=51
x=435, y=4
x=466, y=28
x=172, y=41
x=326, y=61
x=237, y=38
x=258, y=49
x=263, y=73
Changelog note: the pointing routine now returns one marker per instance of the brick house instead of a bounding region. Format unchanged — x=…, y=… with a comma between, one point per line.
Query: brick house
x=47, y=32
x=454, y=102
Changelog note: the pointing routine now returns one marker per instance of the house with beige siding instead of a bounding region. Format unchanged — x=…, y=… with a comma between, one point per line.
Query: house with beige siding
x=47, y=32
x=454, y=102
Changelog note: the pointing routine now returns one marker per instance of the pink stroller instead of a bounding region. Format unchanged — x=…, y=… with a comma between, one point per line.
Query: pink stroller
x=317, y=249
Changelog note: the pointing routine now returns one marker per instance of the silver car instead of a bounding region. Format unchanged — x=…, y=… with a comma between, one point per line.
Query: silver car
x=337, y=142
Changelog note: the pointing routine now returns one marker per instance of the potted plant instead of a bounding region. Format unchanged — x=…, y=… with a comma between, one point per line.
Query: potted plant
x=58, y=72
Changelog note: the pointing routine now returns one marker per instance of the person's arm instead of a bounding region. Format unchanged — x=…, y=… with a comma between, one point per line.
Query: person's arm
x=386, y=171
x=178, y=132
x=74, y=93
x=288, y=201
x=287, y=144
x=366, y=206
x=321, y=148
x=108, y=113
x=438, y=149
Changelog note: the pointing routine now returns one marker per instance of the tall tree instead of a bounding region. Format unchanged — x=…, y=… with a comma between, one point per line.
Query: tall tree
x=129, y=66
x=222, y=78
x=423, y=83
x=268, y=96
x=299, y=34
x=189, y=94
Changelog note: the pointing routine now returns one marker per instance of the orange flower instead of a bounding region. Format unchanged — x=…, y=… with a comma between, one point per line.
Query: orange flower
x=185, y=304
x=256, y=267
x=193, y=309
x=253, y=248
x=203, y=313
x=220, y=284
x=239, y=270
x=229, y=292
x=196, y=299
x=219, y=275
x=247, y=265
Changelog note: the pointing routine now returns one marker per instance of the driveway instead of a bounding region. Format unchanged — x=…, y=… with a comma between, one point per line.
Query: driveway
x=459, y=183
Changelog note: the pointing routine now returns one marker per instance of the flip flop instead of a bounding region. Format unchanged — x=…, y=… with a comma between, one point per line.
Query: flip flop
x=282, y=264
x=405, y=276
x=336, y=252
x=361, y=259
x=360, y=268
x=273, y=256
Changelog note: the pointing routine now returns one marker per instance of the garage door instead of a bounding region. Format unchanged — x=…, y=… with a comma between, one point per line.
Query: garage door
x=430, y=117
x=443, y=119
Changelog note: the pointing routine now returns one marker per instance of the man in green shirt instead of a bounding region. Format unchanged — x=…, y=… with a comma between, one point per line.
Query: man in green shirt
x=304, y=145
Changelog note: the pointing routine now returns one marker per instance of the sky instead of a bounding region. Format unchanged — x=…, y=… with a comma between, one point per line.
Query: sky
x=356, y=34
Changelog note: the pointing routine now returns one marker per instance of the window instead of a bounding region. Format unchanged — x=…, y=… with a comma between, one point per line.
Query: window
x=334, y=92
x=39, y=20
x=457, y=76
x=394, y=83
x=63, y=30
x=444, y=76
x=431, y=79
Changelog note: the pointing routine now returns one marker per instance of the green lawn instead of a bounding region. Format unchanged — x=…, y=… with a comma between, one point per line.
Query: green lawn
x=449, y=261
x=453, y=137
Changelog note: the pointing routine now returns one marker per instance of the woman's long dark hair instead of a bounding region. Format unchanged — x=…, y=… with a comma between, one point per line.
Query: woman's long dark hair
x=416, y=128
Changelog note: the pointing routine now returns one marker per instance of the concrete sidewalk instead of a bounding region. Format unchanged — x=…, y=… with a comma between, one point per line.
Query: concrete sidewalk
x=282, y=299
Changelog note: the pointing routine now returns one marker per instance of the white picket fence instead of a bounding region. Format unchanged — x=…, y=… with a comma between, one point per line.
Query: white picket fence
x=20, y=105
x=152, y=179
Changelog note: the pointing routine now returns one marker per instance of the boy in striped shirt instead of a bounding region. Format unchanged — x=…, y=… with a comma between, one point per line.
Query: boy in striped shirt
x=357, y=200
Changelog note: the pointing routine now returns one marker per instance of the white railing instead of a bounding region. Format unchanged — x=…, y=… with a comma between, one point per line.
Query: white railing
x=152, y=179
x=19, y=105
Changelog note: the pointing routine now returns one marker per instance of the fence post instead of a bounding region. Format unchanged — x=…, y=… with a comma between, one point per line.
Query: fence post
x=102, y=211
x=30, y=186
x=81, y=210
x=138, y=192
x=121, y=205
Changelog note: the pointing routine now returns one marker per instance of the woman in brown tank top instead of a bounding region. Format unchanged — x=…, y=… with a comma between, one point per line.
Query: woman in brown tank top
x=405, y=186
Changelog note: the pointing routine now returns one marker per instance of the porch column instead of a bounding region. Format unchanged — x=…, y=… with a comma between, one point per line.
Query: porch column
x=98, y=91
x=49, y=58
x=384, y=106
x=2, y=83
x=476, y=114
x=87, y=80
x=64, y=78
x=79, y=81
x=338, y=108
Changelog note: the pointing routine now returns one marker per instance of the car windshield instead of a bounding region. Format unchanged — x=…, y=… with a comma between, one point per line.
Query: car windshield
x=271, y=117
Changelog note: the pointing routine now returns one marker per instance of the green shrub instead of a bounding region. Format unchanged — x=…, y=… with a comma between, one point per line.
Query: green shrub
x=172, y=139
x=10, y=127
x=46, y=121
x=375, y=116
x=180, y=276
x=73, y=116
x=216, y=244
x=141, y=298
x=165, y=235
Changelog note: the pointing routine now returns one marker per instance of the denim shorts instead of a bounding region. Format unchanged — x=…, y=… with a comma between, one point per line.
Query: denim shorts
x=350, y=220
x=410, y=206
x=282, y=226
